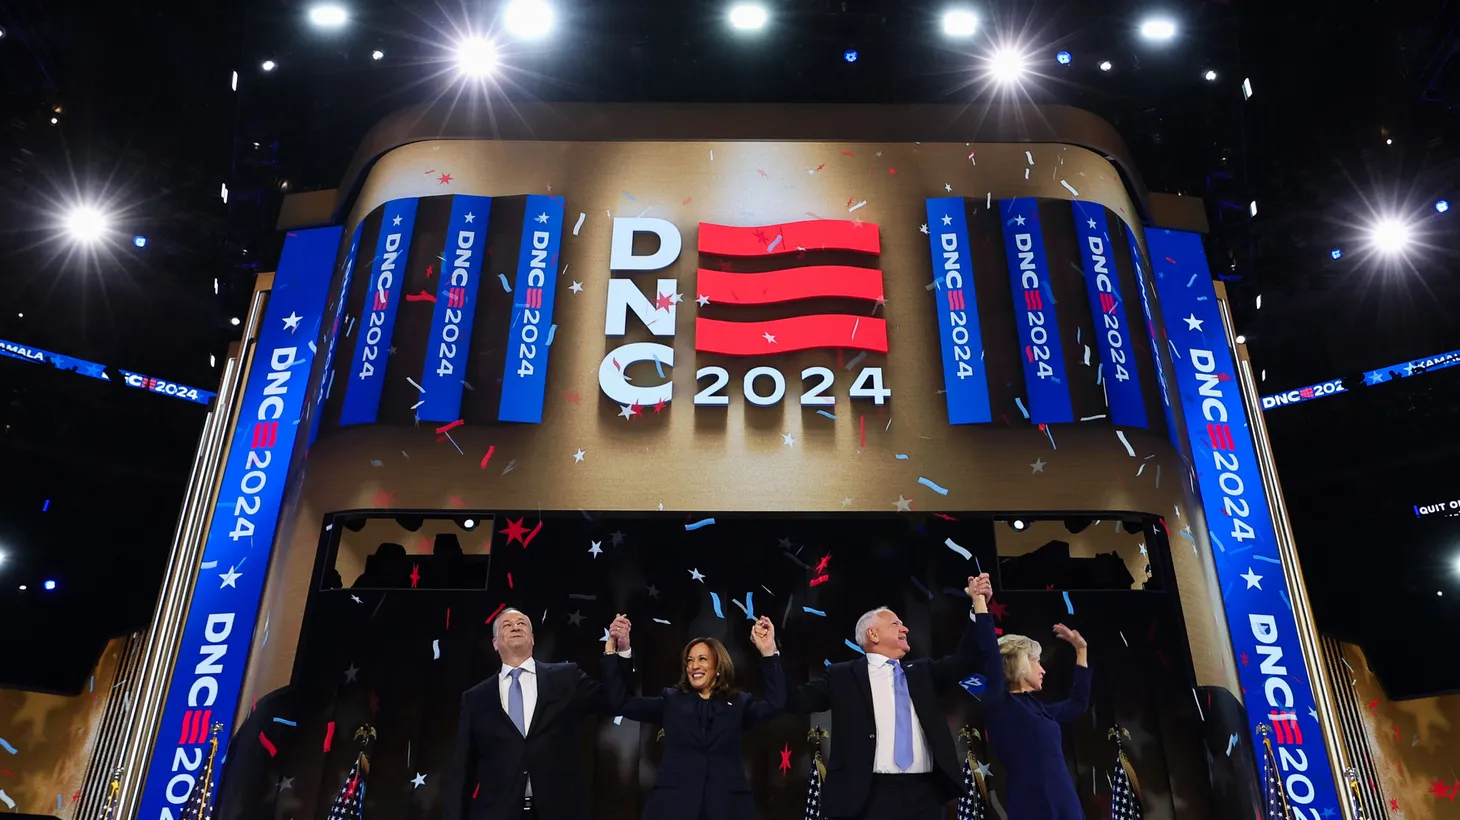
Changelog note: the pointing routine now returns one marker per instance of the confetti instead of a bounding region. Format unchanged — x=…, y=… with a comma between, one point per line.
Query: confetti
x=502, y=277
x=698, y=524
x=208, y=565
x=900, y=456
x=1022, y=408
x=329, y=735
x=750, y=605
x=1092, y=418
x=1070, y=188
x=662, y=621
x=47, y=506
x=285, y=722
x=818, y=613
x=436, y=649
x=848, y=642
x=552, y=331
x=581, y=216
x=1029, y=155
x=831, y=416
x=953, y=545
x=775, y=243
x=452, y=426
x=1131, y=451
x=1231, y=744
x=861, y=204
x=413, y=384
x=5, y=744
x=658, y=367
x=1069, y=607
x=715, y=601
x=423, y=296
x=268, y=746
x=819, y=580
x=496, y=612
x=418, y=404
x=488, y=457
x=1198, y=706
x=5, y=798
x=510, y=465
x=1124, y=641
x=932, y=486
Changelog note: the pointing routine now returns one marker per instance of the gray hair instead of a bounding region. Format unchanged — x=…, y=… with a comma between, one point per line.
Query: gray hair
x=865, y=622
x=497, y=622
x=1017, y=651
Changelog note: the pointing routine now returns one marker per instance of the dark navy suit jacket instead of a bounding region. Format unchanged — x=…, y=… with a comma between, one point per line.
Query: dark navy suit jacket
x=702, y=775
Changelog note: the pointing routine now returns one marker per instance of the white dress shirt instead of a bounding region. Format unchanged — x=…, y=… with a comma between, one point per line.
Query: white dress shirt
x=528, y=679
x=884, y=710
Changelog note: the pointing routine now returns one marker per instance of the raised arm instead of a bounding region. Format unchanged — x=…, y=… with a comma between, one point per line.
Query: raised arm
x=594, y=696
x=990, y=663
x=772, y=674
x=1075, y=705
x=458, y=795
x=615, y=686
x=951, y=669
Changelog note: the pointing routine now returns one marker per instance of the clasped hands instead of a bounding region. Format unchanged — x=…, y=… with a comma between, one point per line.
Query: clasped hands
x=762, y=634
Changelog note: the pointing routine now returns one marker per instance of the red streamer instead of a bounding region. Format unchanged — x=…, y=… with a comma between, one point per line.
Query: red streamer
x=268, y=747
x=329, y=735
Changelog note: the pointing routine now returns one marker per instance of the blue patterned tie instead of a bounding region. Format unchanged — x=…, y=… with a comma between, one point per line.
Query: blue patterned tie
x=514, y=703
x=902, y=741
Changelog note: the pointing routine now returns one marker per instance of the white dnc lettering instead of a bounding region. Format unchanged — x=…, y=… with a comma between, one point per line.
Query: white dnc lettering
x=202, y=694
x=1114, y=334
x=624, y=296
x=957, y=304
x=531, y=329
x=460, y=278
x=1224, y=449
x=375, y=328
x=247, y=502
x=1292, y=759
x=1033, y=303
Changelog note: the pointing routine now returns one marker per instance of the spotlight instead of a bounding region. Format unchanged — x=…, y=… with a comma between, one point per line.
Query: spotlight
x=1158, y=29
x=1106, y=65
x=269, y=65
x=49, y=585
x=377, y=54
x=1388, y=142
x=1241, y=340
x=86, y=224
x=2, y=559
x=959, y=23
x=850, y=55
x=1018, y=525
x=748, y=16
x=328, y=15
x=234, y=321
x=139, y=241
x=529, y=19
x=476, y=57
x=1442, y=206
x=23, y=587
x=1006, y=66
x=1336, y=253
x=1390, y=236
x=1210, y=76
x=468, y=523
x=1063, y=58
x=55, y=120
x=2, y=37
x=1252, y=208
x=1246, y=88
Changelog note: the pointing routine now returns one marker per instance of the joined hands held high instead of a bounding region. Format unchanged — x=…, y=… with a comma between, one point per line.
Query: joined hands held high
x=618, y=635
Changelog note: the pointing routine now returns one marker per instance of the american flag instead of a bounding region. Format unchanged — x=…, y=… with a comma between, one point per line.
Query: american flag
x=970, y=804
x=200, y=800
x=1125, y=803
x=350, y=804
x=813, y=791
x=1274, y=801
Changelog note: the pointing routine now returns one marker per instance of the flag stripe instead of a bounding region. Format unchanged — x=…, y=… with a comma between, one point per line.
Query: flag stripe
x=796, y=333
x=794, y=237
x=789, y=285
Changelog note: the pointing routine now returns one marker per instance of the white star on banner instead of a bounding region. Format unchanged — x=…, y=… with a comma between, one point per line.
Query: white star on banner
x=1193, y=323
x=471, y=218
x=542, y=218
x=947, y=220
x=291, y=322
x=395, y=221
x=1252, y=579
x=230, y=577
x=1091, y=223
x=1019, y=220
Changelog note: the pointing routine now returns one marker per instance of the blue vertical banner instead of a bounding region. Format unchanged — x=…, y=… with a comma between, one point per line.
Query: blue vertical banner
x=1275, y=677
x=377, y=317
x=327, y=377
x=1034, y=313
x=965, y=379
x=1112, y=332
x=524, y=379
x=1140, y=274
x=223, y=610
x=449, y=344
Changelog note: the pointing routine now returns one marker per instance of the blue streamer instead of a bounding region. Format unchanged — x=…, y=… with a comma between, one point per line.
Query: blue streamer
x=698, y=524
x=815, y=612
x=285, y=722
x=46, y=507
x=1022, y=408
x=715, y=599
x=658, y=367
x=749, y=605
x=900, y=456
x=849, y=643
x=1069, y=606
x=828, y=415
x=930, y=485
x=5, y=744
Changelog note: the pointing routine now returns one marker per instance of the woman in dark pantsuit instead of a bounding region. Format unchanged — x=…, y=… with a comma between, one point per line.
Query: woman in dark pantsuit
x=1024, y=730
x=704, y=717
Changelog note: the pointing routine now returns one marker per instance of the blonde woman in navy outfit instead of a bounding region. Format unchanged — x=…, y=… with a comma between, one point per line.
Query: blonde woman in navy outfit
x=1024, y=730
x=702, y=776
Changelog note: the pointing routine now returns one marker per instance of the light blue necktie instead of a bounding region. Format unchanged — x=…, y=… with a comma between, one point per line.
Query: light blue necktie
x=515, y=710
x=902, y=740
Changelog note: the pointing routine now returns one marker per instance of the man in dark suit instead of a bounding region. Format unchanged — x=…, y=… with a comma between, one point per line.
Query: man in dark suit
x=892, y=756
x=517, y=740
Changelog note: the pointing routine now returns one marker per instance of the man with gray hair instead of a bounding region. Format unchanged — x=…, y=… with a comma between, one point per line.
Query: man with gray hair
x=519, y=729
x=892, y=756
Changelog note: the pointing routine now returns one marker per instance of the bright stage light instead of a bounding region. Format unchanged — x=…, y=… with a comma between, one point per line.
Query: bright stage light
x=49, y=585
x=1106, y=65
x=139, y=241
x=1210, y=76
x=377, y=54
x=1158, y=28
x=23, y=587
x=476, y=57
x=1007, y=66
x=1064, y=58
x=529, y=19
x=748, y=16
x=1241, y=340
x=1390, y=236
x=468, y=523
x=55, y=120
x=234, y=321
x=269, y=65
x=850, y=55
x=1442, y=206
x=1018, y=525
x=1336, y=253
x=960, y=23
x=86, y=224
x=328, y=15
